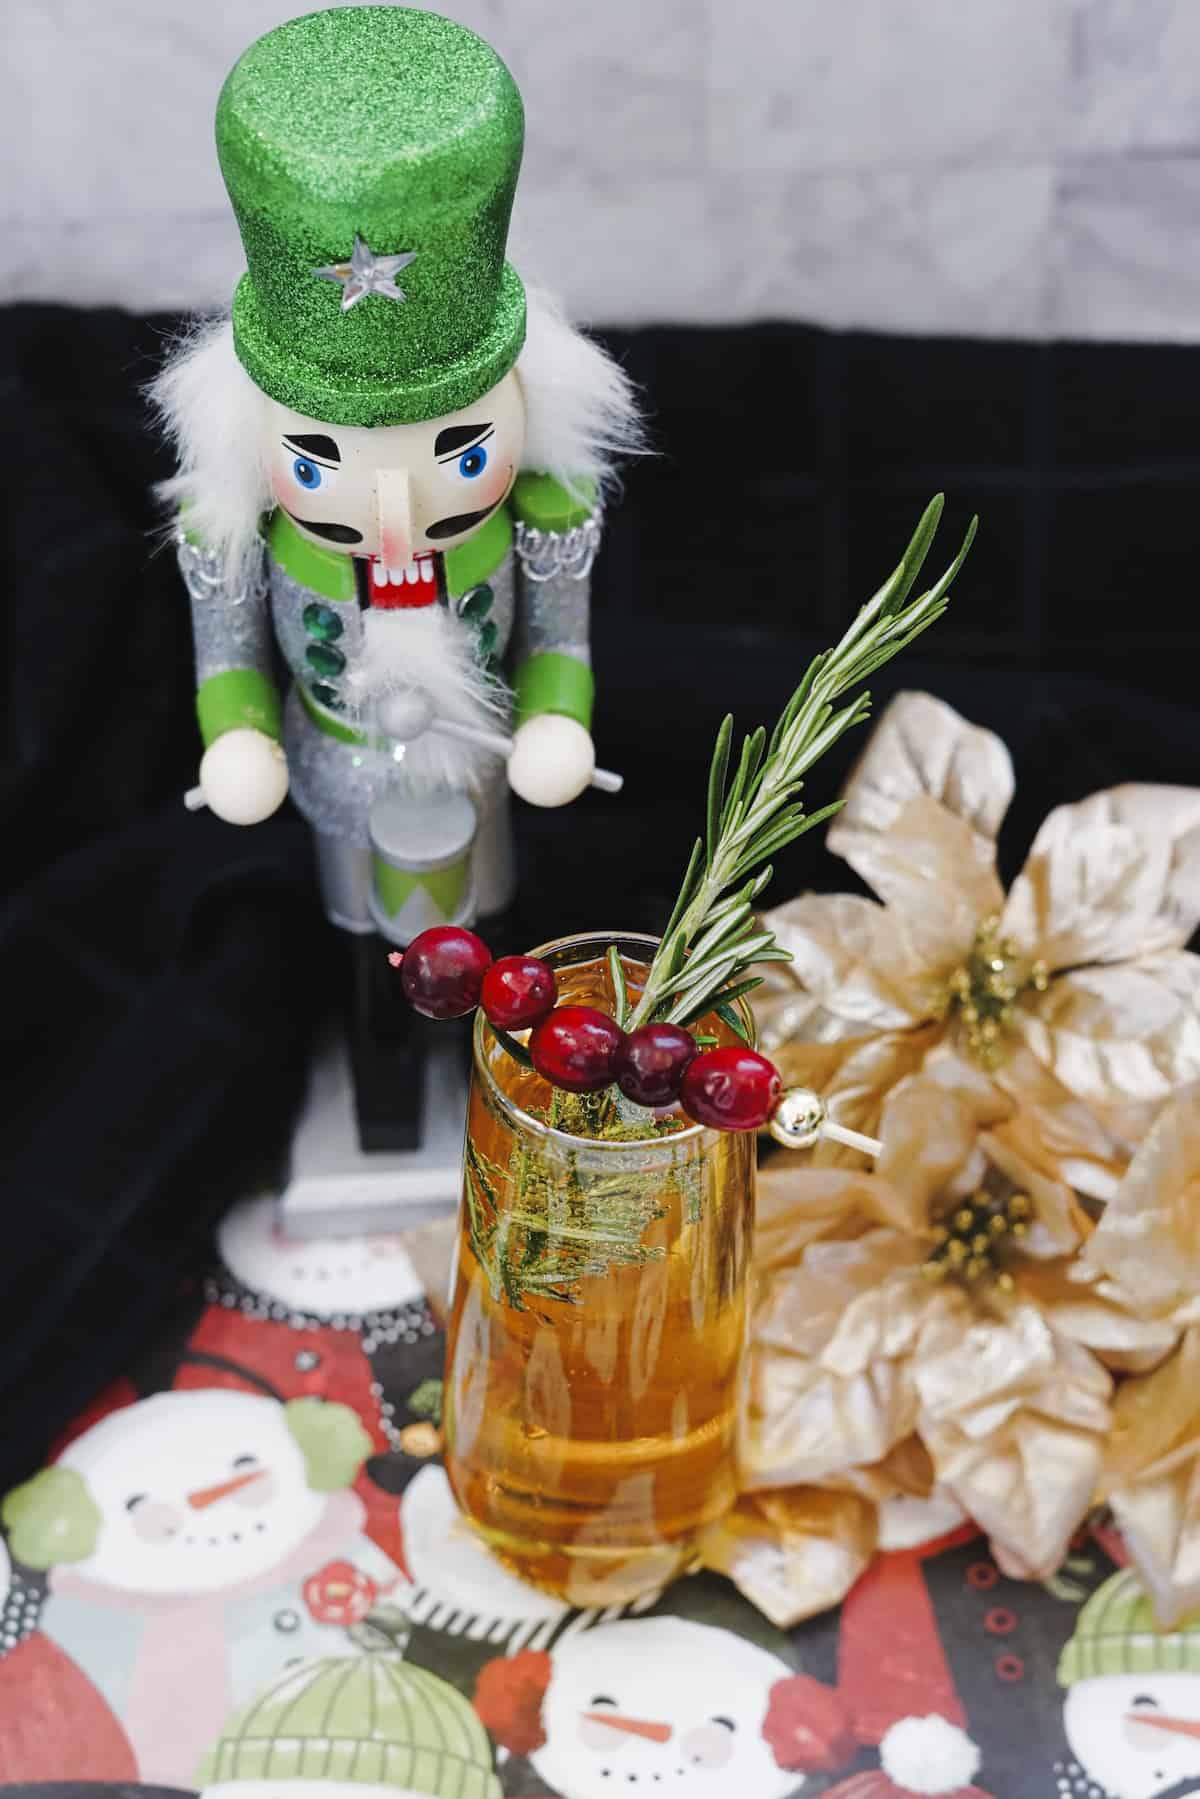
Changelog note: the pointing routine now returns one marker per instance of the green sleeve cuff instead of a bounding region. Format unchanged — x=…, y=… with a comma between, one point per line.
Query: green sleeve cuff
x=238, y=698
x=552, y=682
x=545, y=504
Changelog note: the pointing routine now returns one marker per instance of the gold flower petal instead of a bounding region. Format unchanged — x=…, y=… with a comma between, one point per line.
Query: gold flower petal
x=827, y=1376
x=1117, y=1336
x=938, y=879
x=798, y=1205
x=844, y=959
x=1057, y=1132
x=1058, y=1223
x=1146, y=1249
x=921, y=746
x=1115, y=877
x=1153, y=1479
x=1014, y=1418
x=868, y=1073
x=793, y=1553
x=930, y=1129
x=1122, y=1033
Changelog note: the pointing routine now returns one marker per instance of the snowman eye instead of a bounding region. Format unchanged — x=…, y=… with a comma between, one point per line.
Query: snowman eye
x=244, y=1461
x=136, y=1499
x=603, y=1699
x=1144, y=1699
x=730, y=1725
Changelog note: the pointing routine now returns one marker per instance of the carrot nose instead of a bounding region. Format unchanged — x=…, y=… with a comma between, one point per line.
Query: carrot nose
x=205, y=1496
x=634, y=1727
x=1179, y=1727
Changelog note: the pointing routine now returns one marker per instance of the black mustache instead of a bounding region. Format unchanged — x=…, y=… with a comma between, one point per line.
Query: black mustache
x=335, y=533
x=461, y=521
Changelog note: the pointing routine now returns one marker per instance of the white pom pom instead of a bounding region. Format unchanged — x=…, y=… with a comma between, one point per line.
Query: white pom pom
x=244, y=776
x=928, y=1755
x=552, y=760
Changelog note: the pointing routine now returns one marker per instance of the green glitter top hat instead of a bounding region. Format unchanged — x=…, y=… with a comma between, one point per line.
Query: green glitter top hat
x=371, y=154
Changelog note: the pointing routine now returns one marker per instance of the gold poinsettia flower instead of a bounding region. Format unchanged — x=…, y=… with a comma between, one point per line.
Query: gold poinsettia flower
x=1074, y=991
x=1146, y=1255
x=925, y=1314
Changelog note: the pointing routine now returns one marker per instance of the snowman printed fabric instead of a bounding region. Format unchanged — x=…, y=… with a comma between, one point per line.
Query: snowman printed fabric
x=243, y=1574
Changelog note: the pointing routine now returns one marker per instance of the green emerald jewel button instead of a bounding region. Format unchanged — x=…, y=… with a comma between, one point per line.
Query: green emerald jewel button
x=477, y=604
x=322, y=622
x=328, y=696
x=324, y=659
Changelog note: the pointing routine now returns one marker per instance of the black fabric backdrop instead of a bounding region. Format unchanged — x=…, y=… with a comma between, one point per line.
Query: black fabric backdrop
x=159, y=972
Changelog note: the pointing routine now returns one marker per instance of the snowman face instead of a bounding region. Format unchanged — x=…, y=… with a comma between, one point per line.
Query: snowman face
x=319, y=1276
x=196, y=1491
x=307, y=1789
x=1137, y=1735
x=396, y=492
x=662, y=1707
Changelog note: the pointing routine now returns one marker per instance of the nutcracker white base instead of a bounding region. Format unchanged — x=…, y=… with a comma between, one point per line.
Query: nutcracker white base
x=335, y=1189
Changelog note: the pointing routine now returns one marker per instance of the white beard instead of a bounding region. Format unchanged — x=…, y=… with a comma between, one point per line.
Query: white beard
x=426, y=651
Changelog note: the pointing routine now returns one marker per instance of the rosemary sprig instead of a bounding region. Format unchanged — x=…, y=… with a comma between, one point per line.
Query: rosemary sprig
x=713, y=937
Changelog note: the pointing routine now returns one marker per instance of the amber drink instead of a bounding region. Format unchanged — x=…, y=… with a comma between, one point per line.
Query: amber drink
x=598, y=1316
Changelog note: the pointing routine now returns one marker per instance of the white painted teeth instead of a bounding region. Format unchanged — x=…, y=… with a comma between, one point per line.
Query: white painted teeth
x=399, y=574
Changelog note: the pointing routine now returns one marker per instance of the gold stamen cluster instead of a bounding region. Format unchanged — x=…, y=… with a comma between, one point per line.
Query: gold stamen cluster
x=973, y=1242
x=984, y=989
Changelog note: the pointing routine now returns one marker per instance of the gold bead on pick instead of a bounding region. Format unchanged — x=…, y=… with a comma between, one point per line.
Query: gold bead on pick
x=797, y=1119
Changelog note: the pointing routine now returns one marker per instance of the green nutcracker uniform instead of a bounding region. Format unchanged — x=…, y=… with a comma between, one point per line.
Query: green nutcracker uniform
x=396, y=536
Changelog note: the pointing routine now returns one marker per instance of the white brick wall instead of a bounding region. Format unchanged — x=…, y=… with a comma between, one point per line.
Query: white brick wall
x=1025, y=167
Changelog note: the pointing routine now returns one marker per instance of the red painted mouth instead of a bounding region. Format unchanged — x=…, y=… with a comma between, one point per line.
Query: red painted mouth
x=393, y=588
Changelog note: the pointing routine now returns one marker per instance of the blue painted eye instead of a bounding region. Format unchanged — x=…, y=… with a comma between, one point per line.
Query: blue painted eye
x=472, y=462
x=307, y=473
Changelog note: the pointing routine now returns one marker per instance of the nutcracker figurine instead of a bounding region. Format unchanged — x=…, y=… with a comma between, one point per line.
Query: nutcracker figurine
x=392, y=458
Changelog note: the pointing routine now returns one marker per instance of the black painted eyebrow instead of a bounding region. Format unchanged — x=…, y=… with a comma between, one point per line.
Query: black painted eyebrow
x=323, y=448
x=457, y=437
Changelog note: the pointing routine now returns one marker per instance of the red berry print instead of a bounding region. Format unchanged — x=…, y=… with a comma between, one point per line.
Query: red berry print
x=651, y=1063
x=576, y=1048
x=339, y=1593
x=442, y=971
x=731, y=1089
x=518, y=991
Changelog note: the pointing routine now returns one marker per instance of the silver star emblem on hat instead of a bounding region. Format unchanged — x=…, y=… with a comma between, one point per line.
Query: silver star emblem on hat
x=366, y=273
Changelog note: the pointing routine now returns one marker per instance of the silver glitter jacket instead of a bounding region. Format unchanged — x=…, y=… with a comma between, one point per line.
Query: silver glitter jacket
x=524, y=590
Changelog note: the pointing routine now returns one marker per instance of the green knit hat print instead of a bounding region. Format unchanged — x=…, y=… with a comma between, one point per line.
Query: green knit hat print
x=1115, y=1633
x=371, y=155
x=373, y=1720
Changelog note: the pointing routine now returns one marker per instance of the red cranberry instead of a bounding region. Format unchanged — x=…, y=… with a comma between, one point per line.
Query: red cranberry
x=442, y=971
x=576, y=1047
x=518, y=991
x=731, y=1089
x=651, y=1063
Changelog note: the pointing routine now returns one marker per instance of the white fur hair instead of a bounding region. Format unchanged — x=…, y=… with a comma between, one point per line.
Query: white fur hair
x=430, y=651
x=581, y=418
